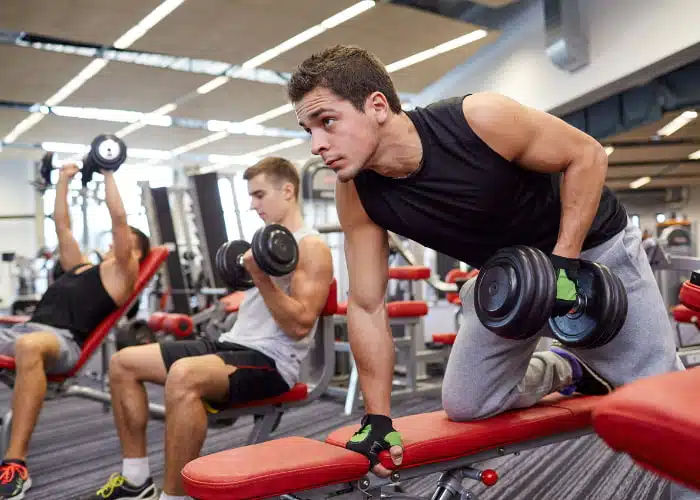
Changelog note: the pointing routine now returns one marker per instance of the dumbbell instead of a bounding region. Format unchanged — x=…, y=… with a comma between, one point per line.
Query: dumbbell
x=179, y=325
x=274, y=249
x=515, y=293
x=155, y=321
x=107, y=153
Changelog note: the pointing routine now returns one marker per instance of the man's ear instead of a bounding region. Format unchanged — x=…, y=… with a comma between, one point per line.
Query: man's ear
x=377, y=104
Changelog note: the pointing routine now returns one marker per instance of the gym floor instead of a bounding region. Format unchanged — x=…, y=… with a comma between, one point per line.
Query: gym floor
x=75, y=449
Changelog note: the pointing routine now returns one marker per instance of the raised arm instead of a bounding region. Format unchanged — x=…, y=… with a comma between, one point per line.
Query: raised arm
x=366, y=255
x=68, y=249
x=121, y=232
x=297, y=312
x=542, y=142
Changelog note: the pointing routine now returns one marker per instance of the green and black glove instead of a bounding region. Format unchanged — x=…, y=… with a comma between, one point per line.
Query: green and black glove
x=566, y=271
x=376, y=433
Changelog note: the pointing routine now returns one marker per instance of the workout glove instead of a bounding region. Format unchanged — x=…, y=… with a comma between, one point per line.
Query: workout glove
x=566, y=271
x=376, y=433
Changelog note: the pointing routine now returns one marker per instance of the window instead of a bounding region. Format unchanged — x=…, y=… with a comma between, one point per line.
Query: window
x=635, y=220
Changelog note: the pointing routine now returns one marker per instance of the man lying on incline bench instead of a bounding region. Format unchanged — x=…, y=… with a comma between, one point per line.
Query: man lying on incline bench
x=468, y=176
x=71, y=308
x=259, y=358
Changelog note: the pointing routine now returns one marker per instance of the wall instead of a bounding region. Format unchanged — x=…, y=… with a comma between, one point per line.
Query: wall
x=625, y=36
x=17, y=197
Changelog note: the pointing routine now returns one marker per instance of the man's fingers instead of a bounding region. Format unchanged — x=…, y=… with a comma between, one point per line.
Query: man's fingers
x=396, y=453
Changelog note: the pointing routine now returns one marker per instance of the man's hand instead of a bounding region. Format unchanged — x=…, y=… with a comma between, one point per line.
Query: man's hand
x=250, y=265
x=68, y=171
x=377, y=433
x=566, y=271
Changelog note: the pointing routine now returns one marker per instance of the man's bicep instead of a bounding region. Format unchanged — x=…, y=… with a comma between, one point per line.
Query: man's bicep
x=68, y=250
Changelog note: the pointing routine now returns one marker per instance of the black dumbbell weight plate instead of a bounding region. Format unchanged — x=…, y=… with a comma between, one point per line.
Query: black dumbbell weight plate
x=618, y=312
x=275, y=250
x=586, y=325
x=234, y=275
x=509, y=295
x=107, y=152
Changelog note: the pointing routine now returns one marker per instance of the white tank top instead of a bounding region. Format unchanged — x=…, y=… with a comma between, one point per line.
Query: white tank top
x=257, y=329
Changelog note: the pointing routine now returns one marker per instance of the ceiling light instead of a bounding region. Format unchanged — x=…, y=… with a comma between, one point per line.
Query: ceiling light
x=677, y=123
x=437, y=50
x=642, y=181
x=212, y=84
x=695, y=155
x=64, y=147
x=609, y=150
x=273, y=113
x=143, y=26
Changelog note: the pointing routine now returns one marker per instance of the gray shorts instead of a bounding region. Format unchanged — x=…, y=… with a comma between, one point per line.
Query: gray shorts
x=69, y=349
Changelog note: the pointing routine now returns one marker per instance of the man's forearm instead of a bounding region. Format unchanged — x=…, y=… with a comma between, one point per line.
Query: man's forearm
x=581, y=188
x=290, y=314
x=114, y=200
x=61, y=216
x=373, y=351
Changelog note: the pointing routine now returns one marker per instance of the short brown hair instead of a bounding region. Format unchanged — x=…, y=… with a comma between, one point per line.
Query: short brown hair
x=350, y=72
x=144, y=243
x=279, y=169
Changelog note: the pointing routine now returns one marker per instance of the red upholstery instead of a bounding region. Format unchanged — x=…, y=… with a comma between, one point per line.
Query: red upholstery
x=331, y=306
x=180, y=325
x=656, y=421
x=444, y=338
x=232, y=302
x=13, y=320
x=149, y=267
x=690, y=295
x=412, y=273
x=295, y=464
x=684, y=315
x=457, y=274
x=155, y=321
x=398, y=309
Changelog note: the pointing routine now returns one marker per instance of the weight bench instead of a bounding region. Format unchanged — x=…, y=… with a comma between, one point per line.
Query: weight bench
x=302, y=468
x=63, y=384
x=656, y=421
x=317, y=371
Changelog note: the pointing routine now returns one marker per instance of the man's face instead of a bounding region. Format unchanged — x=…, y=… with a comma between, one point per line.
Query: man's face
x=269, y=198
x=343, y=136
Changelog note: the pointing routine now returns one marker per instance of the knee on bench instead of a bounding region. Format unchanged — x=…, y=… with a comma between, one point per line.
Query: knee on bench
x=461, y=406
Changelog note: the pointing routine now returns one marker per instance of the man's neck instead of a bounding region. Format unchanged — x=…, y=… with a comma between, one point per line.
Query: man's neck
x=400, y=151
x=293, y=221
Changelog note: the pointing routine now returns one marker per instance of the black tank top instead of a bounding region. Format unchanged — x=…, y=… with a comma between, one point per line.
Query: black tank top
x=75, y=302
x=466, y=201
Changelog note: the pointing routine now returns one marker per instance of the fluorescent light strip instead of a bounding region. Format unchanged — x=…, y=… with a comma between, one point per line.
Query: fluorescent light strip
x=677, y=123
x=269, y=115
x=96, y=66
x=295, y=41
x=695, y=155
x=642, y=181
x=130, y=129
x=225, y=161
x=609, y=150
x=199, y=143
x=437, y=50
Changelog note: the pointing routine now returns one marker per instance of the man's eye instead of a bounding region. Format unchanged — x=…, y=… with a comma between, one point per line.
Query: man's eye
x=328, y=121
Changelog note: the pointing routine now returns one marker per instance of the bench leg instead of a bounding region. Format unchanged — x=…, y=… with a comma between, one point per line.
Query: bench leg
x=5, y=429
x=264, y=425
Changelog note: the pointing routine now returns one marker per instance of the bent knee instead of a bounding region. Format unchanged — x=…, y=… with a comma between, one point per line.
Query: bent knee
x=128, y=362
x=460, y=406
x=32, y=346
x=182, y=377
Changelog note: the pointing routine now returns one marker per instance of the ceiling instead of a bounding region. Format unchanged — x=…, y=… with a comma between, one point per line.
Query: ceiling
x=671, y=166
x=231, y=31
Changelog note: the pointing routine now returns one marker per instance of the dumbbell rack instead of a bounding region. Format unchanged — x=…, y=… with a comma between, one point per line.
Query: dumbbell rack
x=662, y=261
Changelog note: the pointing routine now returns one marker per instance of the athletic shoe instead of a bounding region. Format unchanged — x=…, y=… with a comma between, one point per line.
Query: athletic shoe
x=118, y=488
x=585, y=380
x=14, y=480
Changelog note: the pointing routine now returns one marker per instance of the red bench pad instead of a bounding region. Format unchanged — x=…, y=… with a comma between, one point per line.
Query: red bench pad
x=683, y=314
x=690, y=295
x=396, y=309
x=412, y=273
x=232, y=302
x=444, y=338
x=297, y=393
x=655, y=421
x=271, y=468
x=295, y=464
x=432, y=437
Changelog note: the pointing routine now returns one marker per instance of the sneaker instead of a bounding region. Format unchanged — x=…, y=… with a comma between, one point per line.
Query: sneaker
x=117, y=487
x=585, y=380
x=14, y=480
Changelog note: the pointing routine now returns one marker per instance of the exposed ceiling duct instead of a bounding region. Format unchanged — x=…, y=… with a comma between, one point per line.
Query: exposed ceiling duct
x=566, y=42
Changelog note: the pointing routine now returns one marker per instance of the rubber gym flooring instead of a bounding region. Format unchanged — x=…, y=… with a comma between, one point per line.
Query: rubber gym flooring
x=75, y=449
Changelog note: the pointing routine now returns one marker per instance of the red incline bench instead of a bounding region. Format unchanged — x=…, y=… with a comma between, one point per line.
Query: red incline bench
x=656, y=421
x=61, y=384
x=312, y=469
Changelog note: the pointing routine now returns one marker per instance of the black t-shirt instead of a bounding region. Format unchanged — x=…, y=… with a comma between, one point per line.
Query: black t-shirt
x=75, y=302
x=466, y=201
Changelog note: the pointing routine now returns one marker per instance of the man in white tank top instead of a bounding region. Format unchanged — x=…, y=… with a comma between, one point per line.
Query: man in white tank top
x=259, y=358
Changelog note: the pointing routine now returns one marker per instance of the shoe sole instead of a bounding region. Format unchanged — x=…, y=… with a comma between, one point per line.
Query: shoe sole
x=587, y=367
x=25, y=487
